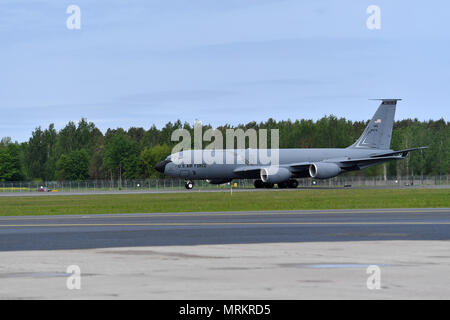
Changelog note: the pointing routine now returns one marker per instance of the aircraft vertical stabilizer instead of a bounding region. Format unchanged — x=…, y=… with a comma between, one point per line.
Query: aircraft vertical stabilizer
x=378, y=132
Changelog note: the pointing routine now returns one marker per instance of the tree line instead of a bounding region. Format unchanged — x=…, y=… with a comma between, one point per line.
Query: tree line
x=82, y=152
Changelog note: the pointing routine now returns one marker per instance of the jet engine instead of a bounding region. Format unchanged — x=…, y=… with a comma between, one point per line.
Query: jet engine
x=274, y=174
x=324, y=170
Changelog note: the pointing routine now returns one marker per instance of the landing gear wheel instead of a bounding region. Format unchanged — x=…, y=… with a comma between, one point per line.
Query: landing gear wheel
x=258, y=184
x=189, y=185
x=283, y=185
x=293, y=184
x=268, y=185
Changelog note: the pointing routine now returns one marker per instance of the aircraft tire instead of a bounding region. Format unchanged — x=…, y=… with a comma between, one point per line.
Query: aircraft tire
x=189, y=185
x=283, y=185
x=258, y=184
x=293, y=183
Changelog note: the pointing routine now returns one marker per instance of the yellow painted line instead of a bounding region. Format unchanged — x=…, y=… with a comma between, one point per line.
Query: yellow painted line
x=219, y=224
x=219, y=213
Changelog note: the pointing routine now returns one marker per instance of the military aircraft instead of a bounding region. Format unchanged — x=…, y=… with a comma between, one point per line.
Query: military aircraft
x=372, y=148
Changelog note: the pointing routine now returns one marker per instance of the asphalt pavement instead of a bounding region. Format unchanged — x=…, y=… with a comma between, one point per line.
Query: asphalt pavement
x=200, y=228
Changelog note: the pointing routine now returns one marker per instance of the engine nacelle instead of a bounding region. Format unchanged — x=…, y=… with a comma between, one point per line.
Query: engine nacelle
x=274, y=174
x=324, y=170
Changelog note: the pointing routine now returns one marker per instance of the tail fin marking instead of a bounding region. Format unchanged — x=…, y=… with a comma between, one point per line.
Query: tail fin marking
x=378, y=132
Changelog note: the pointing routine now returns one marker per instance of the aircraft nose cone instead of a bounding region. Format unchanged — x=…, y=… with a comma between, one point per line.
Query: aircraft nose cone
x=161, y=166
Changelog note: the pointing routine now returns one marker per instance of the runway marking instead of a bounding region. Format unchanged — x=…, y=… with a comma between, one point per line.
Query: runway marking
x=219, y=213
x=176, y=224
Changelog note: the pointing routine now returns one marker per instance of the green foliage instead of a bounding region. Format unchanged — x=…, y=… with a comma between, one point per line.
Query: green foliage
x=73, y=166
x=10, y=164
x=120, y=153
x=84, y=136
x=149, y=157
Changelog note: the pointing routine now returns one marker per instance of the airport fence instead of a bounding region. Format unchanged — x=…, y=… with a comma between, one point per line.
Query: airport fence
x=179, y=184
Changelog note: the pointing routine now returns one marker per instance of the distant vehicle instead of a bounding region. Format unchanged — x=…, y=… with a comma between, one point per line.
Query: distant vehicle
x=43, y=189
x=372, y=148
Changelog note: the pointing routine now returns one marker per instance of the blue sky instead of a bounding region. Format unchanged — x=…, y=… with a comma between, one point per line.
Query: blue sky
x=138, y=63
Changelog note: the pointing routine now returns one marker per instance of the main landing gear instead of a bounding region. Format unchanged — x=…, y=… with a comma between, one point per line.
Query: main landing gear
x=261, y=184
x=189, y=184
x=292, y=183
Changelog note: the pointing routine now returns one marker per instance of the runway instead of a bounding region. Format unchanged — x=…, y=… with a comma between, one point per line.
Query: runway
x=195, y=228
x=197, y=190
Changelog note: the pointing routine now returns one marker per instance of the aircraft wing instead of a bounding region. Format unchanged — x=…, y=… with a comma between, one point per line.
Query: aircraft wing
x=375, y=159
x=252, y=172
x=304, y=166
x=362, y=162
x=404, y=152
x=301, y=168
x=248, y=171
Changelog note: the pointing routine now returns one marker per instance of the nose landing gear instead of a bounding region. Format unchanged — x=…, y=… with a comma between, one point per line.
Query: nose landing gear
x=189, y=184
